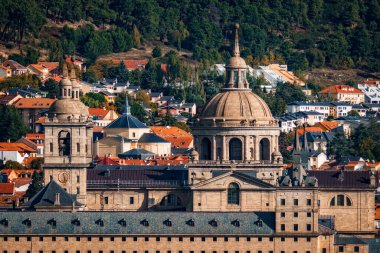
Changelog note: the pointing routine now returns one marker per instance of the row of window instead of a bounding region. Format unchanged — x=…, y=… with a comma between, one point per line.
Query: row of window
x=295, y=202
x=131, y=200
x=295, y=227
x=295, y=214
x=180, y=238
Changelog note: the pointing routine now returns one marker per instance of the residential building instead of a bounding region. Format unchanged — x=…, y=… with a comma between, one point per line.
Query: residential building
x=342, y=93
x=176, y=136
x=38, y=70
x=220, y=69
x=288, y=121
x=16, y=68
x=15, y=151
x=323, y=108
x=53, y=67
x=189, y=108
x=76, y=62
x=276, y=73
x=29, y=92
x=33, y=108
x=155, y=96
x=340, y=109
x=131, y=65
x=361, y=109
x=10, y=99
x=371, y=91
x=110, y=97
x=5, y=72
x=101, y=116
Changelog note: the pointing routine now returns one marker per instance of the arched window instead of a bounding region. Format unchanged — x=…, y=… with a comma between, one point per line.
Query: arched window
x=233, y=194
x=171, y=200
x=348, y=201
x=332, y=202
x=206, y=149
x=264, y=150
x=64, y=142
x=235, y=149
x=340, y=200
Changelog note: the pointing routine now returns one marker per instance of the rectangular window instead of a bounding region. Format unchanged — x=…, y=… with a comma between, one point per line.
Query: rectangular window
x=308, y=214
x=341, y=248
x=226, y=239
x=123, y=238
x=282, y=239
x=308, y=239
x=53, y=238
x=17, y=238
x=157, y=239
x=169, y=239
x=283, y=202
x=214, y=239
x=308, y=202
x=78, y=239
x=106, y=200
x=191, y=239
x=78, y=148
x=295, y=201
x=295, y=227
x=356, y=249
x=282, y=227
x=259, y=239
x=180, y=238
x=271, y=239
x=131, y=200
x=203, y=239
x=135, y=239
x=112, y=238
x=308, y=227
x=248, y=239
x=146, y=239
x=101, y=238
x=28, y=238
x=78, y=190
x=78, y=179
x=51, y=147
x=296, y=239
x=296, y=215
x=237, y=238
x=340, y=200
x=282, y=214
x=89, y=238
x=66, y=238
x=236, y=77
x=41, y=239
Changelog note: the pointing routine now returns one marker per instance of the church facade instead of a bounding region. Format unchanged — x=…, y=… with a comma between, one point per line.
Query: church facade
x=234, y=197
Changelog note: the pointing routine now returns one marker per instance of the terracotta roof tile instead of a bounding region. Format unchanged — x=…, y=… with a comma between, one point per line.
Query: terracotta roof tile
x=15, y=146
x=327, y=125
x=35, y=136
x=176, y=136
x=310, y=129
x=99, y=112
x=133, y=64
x=7, y=188
x=41, y=103
x=341, y=89
x=49, y=65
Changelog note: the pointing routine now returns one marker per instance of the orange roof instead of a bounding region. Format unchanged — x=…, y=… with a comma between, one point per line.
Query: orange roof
x=377, y=212
x=70, y=60
x=310, y=129
x=341, y=89
x=20, y=181
x=7, y=188
x=164, y=67
x=41, y=103
x=16, y=146
x=49, y=65
x=35, y=136
x=99, y=112
x=97, y=129
x=132, y=64
x=37, y=67
x=176, y=136
x=327, y=125
x=40, y=120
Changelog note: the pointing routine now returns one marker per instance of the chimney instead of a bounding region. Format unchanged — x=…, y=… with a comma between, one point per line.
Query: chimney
x=373, y=179
x=57, y=200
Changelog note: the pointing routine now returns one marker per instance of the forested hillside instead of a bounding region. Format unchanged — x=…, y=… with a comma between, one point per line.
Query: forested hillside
x=304, y=33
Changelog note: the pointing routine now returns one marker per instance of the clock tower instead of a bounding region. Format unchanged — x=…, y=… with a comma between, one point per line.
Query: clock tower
x=68, y=139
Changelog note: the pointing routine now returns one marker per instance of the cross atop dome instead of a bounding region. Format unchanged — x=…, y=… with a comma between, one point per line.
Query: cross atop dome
x=236, y=51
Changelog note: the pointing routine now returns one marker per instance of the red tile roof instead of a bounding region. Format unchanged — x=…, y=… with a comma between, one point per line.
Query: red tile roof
x=133, y=64
x=99, y=112
x=16, y=146
x=310, y=129
x=35, y=136
x=40, y=103
x=40, y=120
x=37, y=67
x=327, y=125
x=341, y=89
x=7, y=188
x=8, y=98
x=176, y=136
x=49, y=65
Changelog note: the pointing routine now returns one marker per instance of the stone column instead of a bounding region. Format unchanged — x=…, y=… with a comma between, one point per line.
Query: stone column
x=246, y=148
x=257, y=149
x=224, y=148
x=213, y=151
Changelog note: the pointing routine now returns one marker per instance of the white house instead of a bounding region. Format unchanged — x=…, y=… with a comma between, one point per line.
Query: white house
x=371, y=91
x=323, y=108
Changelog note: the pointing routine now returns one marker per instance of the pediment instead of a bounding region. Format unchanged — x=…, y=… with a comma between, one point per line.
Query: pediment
x=243, y=180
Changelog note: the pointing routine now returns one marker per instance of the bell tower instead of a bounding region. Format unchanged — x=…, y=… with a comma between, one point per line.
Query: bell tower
x=68, y=139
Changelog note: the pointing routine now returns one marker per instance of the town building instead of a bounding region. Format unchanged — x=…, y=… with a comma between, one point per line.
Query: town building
x=232, y=197
x=16, y=68
x=38, y=70
x=15, y=151
x=342, y=93
x=5, y=72
x=276, y=73
x=101, y=116
x=371, y=91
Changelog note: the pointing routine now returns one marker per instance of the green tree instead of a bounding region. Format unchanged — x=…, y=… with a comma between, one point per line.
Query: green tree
x=13, y=165
x=36, y=184
x=12, y=126
x=156, y=52
x=353, y=113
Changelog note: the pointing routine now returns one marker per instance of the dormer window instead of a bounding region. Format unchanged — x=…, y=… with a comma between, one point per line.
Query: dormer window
x=100, y=222
x=190, y=223
x=145, y=223
x=168, y=223
x=4, y=222
x=27, y=222
x=52, y=223
x=213, y=223
x=123, y=222
x=236, y=223
x=76, y=222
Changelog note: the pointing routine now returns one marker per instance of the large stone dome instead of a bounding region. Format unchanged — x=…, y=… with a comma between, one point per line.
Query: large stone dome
x=237, y=106
x=69, y=109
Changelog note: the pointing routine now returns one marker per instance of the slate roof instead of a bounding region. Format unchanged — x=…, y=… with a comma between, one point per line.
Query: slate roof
x=152, y=138
x=131, y=223
x=136, y=153
x=348, y=179
x=126, y=121
x=318, y=136
x=129, y=175
x=345, y=239
x=45, y=197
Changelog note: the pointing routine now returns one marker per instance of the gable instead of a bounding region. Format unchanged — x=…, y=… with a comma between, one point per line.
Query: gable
x=244, y=180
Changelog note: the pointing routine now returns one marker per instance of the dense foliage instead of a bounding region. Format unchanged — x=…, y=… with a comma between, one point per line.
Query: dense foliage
x=306, y=34
x=12, y=126
x=364, y=142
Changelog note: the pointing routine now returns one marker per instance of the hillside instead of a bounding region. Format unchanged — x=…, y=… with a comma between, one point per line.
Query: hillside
x=304, y=34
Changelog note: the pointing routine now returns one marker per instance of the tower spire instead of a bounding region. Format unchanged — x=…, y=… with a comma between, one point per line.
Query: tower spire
x=65, y=72
x=236, y=51
x=127, y=109
x=72, y=74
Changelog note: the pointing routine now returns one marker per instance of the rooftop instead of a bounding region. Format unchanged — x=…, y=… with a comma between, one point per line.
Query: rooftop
x=176, y=136
x=40, y=103
x=341, y=89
